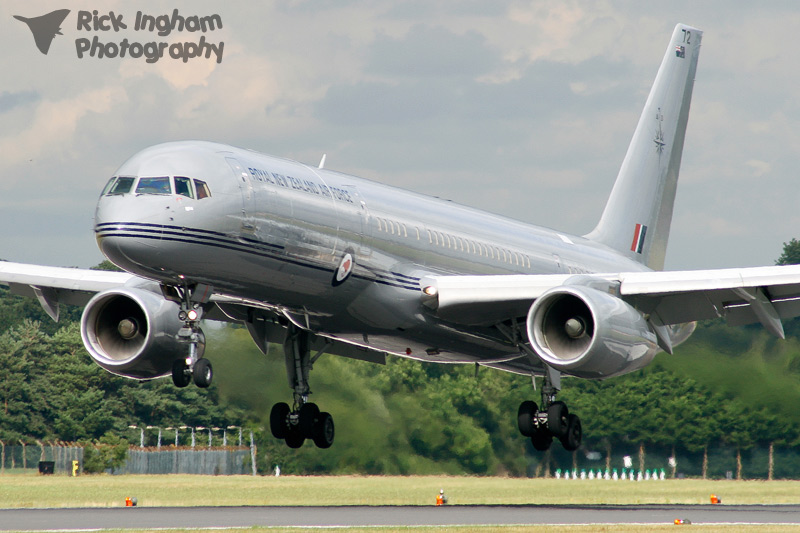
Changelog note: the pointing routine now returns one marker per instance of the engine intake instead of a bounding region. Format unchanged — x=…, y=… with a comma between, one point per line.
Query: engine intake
x=589, y=333
x=132, y=332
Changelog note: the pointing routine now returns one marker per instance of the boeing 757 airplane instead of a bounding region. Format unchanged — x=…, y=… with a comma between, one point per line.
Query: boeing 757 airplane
x=323, y=262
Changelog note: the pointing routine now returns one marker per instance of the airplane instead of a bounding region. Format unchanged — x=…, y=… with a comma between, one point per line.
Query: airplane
x=323, y=262
x=45, y=27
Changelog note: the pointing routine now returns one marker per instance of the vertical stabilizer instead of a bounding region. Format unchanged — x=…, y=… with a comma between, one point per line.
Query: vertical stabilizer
x=638, y=214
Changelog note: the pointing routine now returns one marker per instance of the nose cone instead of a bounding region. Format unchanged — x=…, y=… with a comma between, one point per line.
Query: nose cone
x=128, y=231
x=137, y=221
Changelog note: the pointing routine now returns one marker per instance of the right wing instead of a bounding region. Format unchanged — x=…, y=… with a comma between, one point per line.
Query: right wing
x=54, y=285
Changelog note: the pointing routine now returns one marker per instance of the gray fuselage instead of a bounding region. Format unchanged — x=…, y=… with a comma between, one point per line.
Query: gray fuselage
x=279, y=232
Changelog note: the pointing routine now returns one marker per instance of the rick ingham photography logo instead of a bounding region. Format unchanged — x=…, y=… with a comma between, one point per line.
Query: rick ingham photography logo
x=110, y=35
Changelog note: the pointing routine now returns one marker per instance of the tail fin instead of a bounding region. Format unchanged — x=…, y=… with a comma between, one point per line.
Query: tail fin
x=638, y=214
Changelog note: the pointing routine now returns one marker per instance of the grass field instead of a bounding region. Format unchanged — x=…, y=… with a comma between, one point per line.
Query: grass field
x=187, y=490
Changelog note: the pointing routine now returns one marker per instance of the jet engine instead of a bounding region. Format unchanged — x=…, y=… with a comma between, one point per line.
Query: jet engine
x=589, y=333
x=132, y=332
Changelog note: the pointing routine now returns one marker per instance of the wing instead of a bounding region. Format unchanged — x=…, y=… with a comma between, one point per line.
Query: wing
x=54, y=285
x=741, y=295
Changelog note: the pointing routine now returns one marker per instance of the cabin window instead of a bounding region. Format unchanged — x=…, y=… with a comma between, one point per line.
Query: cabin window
x=202, y=189
x=154, y=186
x=183, y=187
x=121, y=186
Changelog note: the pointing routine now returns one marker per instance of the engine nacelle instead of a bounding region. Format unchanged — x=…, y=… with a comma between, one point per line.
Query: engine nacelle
x=589, y=333
x=132, y=332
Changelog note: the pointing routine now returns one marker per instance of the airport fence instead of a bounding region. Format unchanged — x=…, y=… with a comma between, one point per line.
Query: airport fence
x=58, y=456
x=209, y=461
x=717, y=462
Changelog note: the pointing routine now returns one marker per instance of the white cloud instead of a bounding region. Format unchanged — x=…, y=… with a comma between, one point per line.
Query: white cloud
x=53, y=127
x=760, y=168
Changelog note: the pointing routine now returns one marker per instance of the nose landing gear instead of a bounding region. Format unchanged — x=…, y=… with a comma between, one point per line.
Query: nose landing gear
x=195, y=367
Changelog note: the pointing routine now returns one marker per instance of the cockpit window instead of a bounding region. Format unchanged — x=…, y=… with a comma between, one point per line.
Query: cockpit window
x=108, y=186
x=183, y=187
x=202, y=189
x=153, y=186
x=121, y=186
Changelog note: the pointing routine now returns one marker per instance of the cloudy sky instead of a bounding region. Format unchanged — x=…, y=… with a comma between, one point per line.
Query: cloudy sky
x=521, y=108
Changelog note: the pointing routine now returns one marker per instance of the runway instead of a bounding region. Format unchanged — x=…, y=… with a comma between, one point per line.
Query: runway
x=241, y=517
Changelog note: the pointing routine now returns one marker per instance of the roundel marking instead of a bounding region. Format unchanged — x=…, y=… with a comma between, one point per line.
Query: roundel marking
x=344, y=270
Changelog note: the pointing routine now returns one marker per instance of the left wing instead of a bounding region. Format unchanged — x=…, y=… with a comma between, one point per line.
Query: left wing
x=741, y=295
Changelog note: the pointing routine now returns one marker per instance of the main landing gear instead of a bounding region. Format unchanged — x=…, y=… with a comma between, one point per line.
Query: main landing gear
x=303, y=420
x=195, y=367
x=553, y=420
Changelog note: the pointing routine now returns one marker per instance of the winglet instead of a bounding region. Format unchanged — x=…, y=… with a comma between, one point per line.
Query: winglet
x=322, y=161
x=637, y=217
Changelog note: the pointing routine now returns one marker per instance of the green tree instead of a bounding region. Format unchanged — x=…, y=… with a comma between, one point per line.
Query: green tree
x=791, y=253
x=107, y=453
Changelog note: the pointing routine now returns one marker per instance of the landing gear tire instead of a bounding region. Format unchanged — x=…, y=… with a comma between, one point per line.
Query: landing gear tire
x=309, y=413
x=294, y=439
x=278, y=418
x=558, y=419
x=324, y=431
x=202, y=373
x=572, y=439
x=180, y=374
x=541, y=439
x=526, y=416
